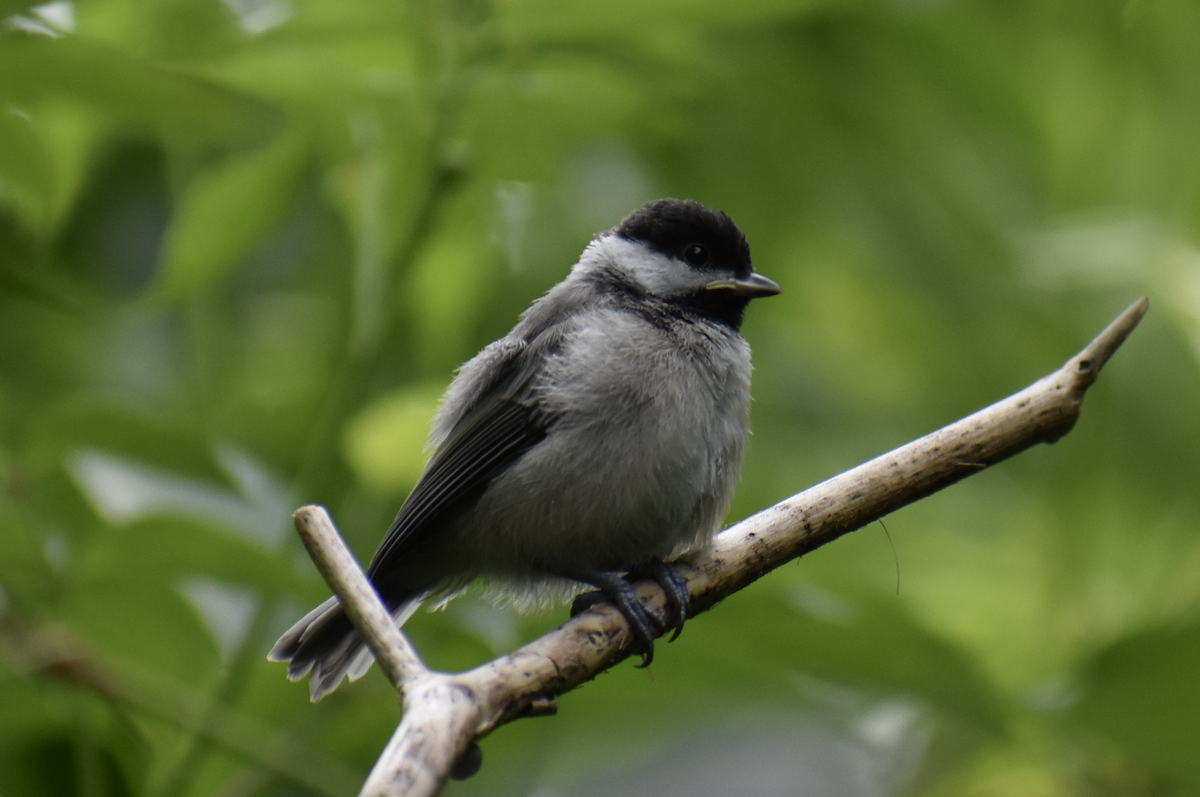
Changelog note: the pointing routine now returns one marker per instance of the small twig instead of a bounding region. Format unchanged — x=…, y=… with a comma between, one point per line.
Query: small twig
x=444, y=714
x=392, y=650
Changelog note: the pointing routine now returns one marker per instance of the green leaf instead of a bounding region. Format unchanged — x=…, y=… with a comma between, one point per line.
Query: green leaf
x=594, y=18
x=108, y=79
x=1142, y=694
x=26, y=177
x=8, y=7
x=866, y=641
x=226, y=213
x=145, y=621
x=385, y=443
x=449, y=283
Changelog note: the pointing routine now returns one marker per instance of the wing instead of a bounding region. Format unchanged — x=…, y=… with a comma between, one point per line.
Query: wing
x=493, y=420
x=490, y=436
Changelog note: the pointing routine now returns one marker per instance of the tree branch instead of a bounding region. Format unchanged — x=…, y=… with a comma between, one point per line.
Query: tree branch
x=393, y=652
x=445, y=714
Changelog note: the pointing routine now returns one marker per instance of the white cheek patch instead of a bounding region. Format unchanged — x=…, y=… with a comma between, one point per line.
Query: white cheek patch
x=655, y=273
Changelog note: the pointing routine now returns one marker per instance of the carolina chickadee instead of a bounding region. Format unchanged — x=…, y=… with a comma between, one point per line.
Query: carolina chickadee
x=601, y=436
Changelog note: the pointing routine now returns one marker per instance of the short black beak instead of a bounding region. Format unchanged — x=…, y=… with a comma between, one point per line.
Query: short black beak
x=751, y=287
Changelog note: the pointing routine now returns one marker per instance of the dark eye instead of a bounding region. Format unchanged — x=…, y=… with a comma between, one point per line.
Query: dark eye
x=695, y=255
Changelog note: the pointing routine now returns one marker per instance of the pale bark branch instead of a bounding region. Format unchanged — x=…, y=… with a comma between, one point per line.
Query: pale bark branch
x=393, y=652
x=445, y=714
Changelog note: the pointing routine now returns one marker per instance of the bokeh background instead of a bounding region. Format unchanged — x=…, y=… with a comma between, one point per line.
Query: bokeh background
x=244, y=244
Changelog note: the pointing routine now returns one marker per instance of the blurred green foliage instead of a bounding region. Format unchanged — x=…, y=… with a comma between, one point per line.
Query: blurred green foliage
x=244, y=243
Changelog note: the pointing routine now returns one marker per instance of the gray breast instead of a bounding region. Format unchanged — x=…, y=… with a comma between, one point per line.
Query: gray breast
x=642, y=459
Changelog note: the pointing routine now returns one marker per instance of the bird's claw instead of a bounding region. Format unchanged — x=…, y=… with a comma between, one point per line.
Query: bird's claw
x=642, y=621
x=675, y=586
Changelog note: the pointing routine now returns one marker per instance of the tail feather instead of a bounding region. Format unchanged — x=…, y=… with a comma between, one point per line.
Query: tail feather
x=326, y=646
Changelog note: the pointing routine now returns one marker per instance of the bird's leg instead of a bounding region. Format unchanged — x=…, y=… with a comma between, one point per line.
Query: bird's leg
x=617, y=589
x=674, y=585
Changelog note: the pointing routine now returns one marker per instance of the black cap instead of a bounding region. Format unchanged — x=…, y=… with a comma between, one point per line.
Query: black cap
x=671, y=225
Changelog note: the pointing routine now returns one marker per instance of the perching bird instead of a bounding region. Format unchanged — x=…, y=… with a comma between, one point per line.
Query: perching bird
x=600, y=437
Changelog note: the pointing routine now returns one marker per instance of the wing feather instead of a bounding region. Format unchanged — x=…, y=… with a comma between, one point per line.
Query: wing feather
x=493, y=419
x=489, y=438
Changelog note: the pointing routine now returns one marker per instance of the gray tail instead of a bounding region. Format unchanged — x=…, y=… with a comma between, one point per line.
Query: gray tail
x=327, y=647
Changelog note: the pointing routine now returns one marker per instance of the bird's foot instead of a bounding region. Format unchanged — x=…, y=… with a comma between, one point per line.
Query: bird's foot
x=644, y=624
x=617, y=590
x=674, y=585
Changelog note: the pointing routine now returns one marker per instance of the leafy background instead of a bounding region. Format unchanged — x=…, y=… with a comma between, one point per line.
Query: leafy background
x=243, y=245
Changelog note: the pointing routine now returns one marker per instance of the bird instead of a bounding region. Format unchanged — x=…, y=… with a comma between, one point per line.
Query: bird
x=598, y=440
